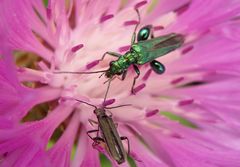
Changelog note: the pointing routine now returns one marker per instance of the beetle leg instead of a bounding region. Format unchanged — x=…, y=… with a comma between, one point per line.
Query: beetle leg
x=109, y=80
x=111, y=54
x=97, y=139
x=124, y=75
x=125, y=138
x=135, y=78
x=157, y=67
x=92, y=131
x=133, y=38
x=92, y=122
x=119, y=78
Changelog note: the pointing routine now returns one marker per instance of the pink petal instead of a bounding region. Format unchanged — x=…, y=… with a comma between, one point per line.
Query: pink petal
x=85, y=154
x=60, y=153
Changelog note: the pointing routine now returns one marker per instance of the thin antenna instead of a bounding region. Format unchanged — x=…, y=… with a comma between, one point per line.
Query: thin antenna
x=135, y=29
x=105, y=97
x=139, y=20
x=85, y=103
x=124, y=105
x=70, y=72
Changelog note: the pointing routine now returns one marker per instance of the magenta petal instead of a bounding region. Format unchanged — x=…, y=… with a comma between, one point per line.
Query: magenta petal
x=7, y=66
x=142, y=156
x=23, y=152
x=216, y=98
x=16, y=23
x=13, y=95
x=24, y=143
x=60, y=153
x=86, y=155
x=4, y=123
x=189, y=151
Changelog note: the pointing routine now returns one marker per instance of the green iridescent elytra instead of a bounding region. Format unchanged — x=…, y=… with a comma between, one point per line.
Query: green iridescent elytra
x=151, y=49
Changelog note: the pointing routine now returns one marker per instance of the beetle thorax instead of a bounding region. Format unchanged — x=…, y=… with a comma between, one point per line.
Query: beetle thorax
x=99, y=111
x=116, y=67
x=136, y=48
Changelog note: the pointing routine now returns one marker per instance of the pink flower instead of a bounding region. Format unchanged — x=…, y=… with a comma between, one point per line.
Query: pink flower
x=187, y=117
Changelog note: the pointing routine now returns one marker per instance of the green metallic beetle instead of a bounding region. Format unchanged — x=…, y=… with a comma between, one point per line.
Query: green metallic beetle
x=143, y=51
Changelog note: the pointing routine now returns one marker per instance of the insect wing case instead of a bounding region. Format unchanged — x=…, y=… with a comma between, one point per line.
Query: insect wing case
x=149, y=50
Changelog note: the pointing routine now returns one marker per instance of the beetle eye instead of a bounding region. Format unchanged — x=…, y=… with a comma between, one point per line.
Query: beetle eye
x=144, y=33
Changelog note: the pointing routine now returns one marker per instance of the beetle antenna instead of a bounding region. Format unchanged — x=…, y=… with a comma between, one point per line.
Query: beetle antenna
x=83, y=72
x=139, y=20
x=85, y=103
x=135, y=29
x=124, y=105
x=108, y=87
